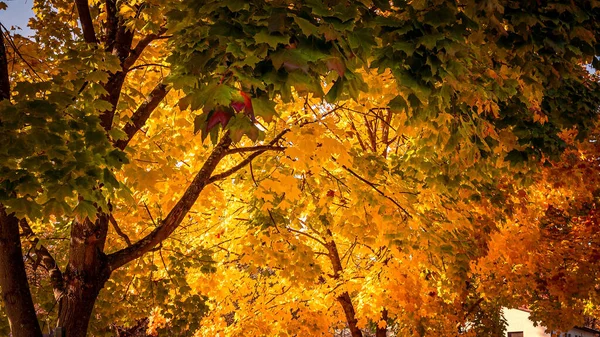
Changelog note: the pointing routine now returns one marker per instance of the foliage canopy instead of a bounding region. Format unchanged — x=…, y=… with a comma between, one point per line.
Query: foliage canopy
x=287, y=168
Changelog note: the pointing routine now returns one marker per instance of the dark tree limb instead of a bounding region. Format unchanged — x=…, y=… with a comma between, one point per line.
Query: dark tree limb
x=85, y=274
x=376, y=188
x=46, y=260
x=177, y=213
x=382, y=331
x=120, y=232
x=139, y=48
x=255, y=148
x=85, y=19
x=112, y=24
x=143, y=112
x=4, y=76
x=127, y=57
x=344, y=298
x=18, y=303
x=259, y=150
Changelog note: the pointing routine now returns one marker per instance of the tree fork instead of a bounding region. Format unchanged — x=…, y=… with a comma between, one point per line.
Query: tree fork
x=85, y=275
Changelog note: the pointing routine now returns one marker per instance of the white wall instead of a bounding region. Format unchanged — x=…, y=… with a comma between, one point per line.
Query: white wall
x=518, y=320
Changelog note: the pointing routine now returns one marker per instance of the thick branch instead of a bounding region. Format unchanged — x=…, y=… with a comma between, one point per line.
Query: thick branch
x=227, y=173
x=122, y=48
x=139, y=48
x=47, y=260
x=344, y=298
x=141, y=115
x=85, y=18
x=177, y=213
x=4, y=77
x=112, y=24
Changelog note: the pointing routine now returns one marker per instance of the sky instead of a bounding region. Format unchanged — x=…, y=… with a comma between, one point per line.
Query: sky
x=17, y=14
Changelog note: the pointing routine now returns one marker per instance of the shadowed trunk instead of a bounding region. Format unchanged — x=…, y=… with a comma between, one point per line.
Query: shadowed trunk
x=85, y=275
x=382, y=332
x=13, y=280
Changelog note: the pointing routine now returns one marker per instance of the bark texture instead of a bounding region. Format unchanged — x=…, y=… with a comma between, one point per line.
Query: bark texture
x=16, y=295
x=85, y=275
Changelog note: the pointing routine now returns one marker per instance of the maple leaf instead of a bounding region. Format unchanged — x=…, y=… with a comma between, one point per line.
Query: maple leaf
x=218, y=116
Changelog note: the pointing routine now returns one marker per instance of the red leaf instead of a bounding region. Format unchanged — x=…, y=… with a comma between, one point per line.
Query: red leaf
x=248, y=103
x=335, y=63
x=217, y=117
x=238, y=106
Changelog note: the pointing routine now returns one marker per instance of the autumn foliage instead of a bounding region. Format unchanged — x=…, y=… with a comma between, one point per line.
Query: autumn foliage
x=299, y=168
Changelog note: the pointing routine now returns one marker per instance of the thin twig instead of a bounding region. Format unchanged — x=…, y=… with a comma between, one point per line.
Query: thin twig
x=113, y=221
x=374, y=186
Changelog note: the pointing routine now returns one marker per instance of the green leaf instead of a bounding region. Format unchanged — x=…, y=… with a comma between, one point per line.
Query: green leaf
x=336, y=90
x=265, y=108
x=306, y=26
x=56, y=208
x=23, y=207
x=102, y=105
x=199, y=123
x=398, y=103
x=109, y=179
x=85, y=209
x=271, y=39
x=237, y=5
x=97, y=76
x=304, y=83
x=216, y=94
x=117, y=134
x=516, y=157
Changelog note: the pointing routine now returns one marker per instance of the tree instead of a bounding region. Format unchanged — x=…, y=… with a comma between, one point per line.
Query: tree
x=389, y=125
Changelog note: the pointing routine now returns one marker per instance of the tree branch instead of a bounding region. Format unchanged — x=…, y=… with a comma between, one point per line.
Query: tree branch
x=112, y=24
x=85, y=18
x=261, y=149
x=374, y=186
x=143, y=112
x=307, y=235
x=177, y=213
x=139, y=66
x=127, y=56
x=139, y=48
x=4, y=76
x=255, y=148
x=47, y=260
x=113, y=221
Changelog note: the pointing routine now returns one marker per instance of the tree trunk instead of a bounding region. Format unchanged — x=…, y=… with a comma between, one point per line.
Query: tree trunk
x=85, y=275
x=18, y=303
x=344, y=299
x=382, y=332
